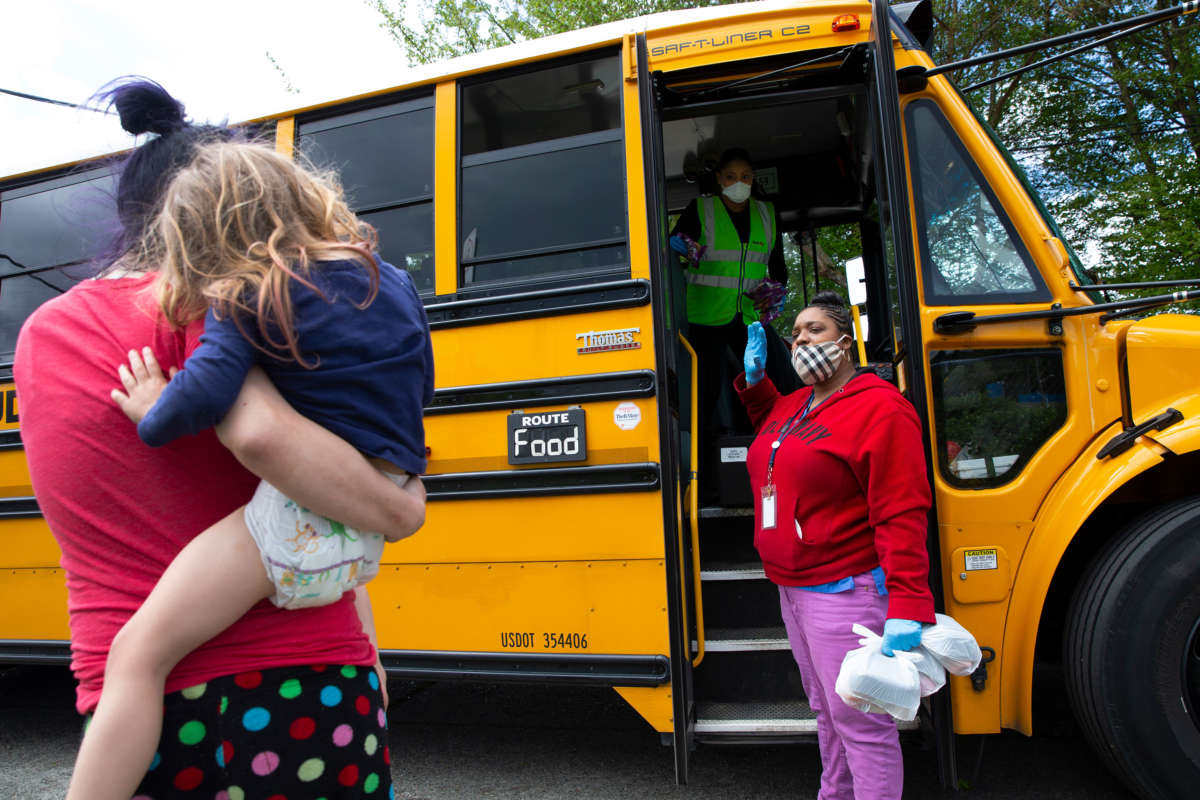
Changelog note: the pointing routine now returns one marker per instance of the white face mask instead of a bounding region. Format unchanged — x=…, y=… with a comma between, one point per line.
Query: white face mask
x=737, y=192
x=817, y=362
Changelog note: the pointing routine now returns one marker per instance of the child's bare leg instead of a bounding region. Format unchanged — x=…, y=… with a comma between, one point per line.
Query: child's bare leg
x=210, y=584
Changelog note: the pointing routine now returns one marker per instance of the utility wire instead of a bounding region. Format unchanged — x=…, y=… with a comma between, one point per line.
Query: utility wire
x=1059, y=57
x=31, y=273
x=39, y=99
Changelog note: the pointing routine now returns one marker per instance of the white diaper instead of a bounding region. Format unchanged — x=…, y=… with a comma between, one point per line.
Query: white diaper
x=311, y=560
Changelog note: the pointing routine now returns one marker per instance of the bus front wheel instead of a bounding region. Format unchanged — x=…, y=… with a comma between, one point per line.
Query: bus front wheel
x=1132, y=652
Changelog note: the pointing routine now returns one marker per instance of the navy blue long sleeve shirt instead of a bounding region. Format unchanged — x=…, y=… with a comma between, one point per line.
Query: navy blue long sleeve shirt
x=373, y=377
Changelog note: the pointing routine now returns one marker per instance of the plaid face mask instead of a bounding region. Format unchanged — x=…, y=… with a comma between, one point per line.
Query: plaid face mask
x=817, y=362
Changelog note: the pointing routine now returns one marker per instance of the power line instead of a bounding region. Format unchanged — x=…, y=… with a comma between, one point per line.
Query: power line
x=1107, y=135
x=31, y=273
x=39, y=99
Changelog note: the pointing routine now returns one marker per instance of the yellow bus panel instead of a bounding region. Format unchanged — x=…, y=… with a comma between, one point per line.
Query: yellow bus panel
x=33, y=602
x=545, y=347
x=579, y=527
x=475, y=442
x=609, y=607
x=755, y=35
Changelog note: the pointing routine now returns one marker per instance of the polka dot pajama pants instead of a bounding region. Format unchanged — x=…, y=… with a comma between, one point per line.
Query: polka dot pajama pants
x=292, y=733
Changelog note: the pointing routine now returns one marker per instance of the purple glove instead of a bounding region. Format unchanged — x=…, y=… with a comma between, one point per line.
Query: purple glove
x=900, y=634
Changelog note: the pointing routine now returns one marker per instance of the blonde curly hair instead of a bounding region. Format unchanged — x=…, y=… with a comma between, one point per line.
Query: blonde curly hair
x=237, y=224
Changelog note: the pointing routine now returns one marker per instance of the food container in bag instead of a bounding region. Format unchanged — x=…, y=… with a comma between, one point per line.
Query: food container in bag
x=952, y=645
x=872, y=682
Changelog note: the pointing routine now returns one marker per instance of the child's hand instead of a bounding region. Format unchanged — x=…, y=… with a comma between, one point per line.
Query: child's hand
x=143, y=381
x=414, y=517
x=415, y=487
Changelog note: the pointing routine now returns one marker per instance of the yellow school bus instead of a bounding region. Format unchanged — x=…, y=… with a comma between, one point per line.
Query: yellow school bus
x=529, y=191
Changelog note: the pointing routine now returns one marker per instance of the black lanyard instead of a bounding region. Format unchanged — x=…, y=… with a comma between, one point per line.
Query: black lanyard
x=787, y=428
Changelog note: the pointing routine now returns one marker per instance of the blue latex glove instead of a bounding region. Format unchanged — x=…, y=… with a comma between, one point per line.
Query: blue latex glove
x=678, y=244
x=755, y=358
x=900, y=634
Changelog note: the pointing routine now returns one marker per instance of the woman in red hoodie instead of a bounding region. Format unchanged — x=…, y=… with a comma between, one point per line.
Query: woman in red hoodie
x=841, y=504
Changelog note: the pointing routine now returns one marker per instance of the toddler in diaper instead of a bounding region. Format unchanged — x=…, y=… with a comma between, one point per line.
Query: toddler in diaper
x=310, y=560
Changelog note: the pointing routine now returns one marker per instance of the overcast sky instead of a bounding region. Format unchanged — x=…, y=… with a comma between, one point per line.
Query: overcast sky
x=211, y=55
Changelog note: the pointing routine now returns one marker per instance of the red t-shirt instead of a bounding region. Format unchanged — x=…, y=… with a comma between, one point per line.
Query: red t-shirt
x=121, y=511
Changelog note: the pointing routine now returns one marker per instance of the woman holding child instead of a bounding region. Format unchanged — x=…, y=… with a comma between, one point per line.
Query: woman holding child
x=261, y=700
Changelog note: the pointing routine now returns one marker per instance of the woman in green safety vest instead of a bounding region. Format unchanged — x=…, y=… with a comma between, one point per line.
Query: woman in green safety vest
x=730, y=245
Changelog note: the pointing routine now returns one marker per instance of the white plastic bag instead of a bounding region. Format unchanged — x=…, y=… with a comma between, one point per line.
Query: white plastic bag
x=952, y=645
x=933, y=675
x=875, y=683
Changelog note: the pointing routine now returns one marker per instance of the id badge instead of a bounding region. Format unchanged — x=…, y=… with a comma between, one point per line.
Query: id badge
x=768, y=507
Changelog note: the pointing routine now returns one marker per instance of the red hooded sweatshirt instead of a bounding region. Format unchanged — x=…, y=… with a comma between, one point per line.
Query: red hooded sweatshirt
x=851, y=475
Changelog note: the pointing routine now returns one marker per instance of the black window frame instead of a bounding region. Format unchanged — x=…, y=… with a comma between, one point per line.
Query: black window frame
x=379, y=108
x=1040, y=292
x=485, y=287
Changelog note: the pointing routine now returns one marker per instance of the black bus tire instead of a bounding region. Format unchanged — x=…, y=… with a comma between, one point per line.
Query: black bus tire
x=1131, y=653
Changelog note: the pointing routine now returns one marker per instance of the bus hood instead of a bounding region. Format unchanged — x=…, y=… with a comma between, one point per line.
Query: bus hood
x=1162, y=362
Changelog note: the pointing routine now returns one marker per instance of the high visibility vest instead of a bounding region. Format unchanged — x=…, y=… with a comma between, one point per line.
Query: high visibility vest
x=728, y=268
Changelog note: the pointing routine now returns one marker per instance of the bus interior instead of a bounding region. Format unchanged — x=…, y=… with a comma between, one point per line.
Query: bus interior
x=813, y=143
x=813, y=138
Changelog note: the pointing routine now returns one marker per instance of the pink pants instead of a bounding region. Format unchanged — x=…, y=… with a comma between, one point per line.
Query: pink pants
x=860, y=753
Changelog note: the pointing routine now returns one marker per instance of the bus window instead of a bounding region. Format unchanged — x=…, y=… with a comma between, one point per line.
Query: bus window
x=993, y=409
x=19, y=296
x=385, y=158
x=46, y=229
x=969, y=250
x=543, y=175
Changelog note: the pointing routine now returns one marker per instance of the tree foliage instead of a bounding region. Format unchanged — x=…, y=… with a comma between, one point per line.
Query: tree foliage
x=1110, y=137
x=438, y=29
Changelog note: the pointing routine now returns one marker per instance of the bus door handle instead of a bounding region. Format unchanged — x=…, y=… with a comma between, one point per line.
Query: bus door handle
x=694, y=502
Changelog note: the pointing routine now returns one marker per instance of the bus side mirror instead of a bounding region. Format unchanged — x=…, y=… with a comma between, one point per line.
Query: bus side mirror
x=911, y=79
x=918, y=18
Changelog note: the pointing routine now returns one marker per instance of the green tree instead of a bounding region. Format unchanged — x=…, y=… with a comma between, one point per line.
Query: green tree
x=449, y=28
x=1110, y=137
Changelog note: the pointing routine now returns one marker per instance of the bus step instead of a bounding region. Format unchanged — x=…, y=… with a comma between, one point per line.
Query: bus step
x=715, y=512
x=728, y=540
x=755, y=676
x=740, y=640
x=731, y=604
x=784, y=719
x=726, y=571
x=787, y=717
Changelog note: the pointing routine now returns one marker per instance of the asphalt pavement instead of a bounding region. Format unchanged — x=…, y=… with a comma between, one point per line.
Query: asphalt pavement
x=511, y=742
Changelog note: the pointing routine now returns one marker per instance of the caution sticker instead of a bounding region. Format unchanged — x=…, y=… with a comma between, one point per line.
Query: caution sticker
x=982, y=558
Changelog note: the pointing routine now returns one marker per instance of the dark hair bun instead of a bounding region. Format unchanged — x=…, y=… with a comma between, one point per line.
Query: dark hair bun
x=145, y=107
x=828, y=298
